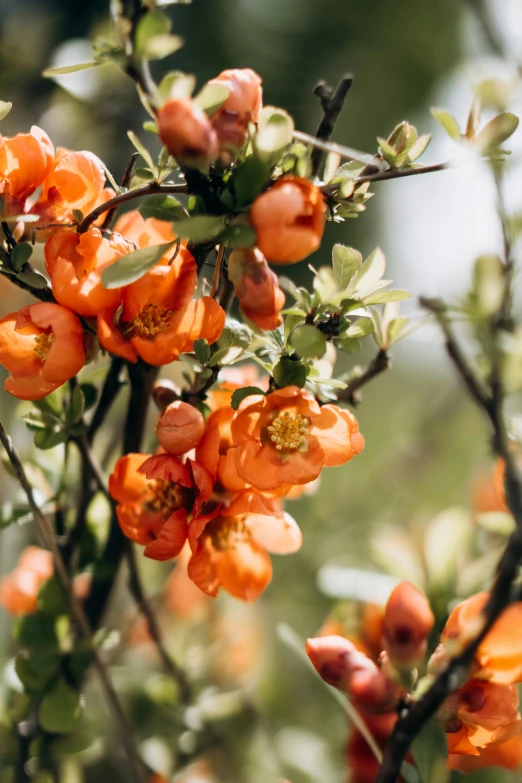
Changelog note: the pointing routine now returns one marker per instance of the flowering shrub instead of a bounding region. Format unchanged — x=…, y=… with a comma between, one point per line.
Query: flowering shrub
x=236, y=400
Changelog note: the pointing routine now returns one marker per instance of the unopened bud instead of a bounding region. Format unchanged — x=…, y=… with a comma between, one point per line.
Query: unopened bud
x=408, y=620
x=180, y=428
x=186, y=132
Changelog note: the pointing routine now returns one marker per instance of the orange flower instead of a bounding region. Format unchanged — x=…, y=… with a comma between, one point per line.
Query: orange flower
x=342, y=665
x=76, y=181
x=155, y=496
x=289, y=220
x=19, y=589
x=187, y=133
x=507, y=754
x=498, y=657
x=230, y=546
x=182, y=596
x=245, y=97
x=480, y=714
x=408, y=620
x=257, y=288
x=160, y=319
x=287, y=438
x=75, y=263
x=180, y=428
x=144, y=233
x=42, y=347
x=25, y=161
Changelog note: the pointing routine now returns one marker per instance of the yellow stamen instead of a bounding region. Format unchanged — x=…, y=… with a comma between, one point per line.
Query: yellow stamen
x=226, y=532
x=167, y=497
x=151, y=320
x=288, y=433
x=43, y=345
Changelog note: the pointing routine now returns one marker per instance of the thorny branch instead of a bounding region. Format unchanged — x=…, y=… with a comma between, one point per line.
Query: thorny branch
x=332, y=103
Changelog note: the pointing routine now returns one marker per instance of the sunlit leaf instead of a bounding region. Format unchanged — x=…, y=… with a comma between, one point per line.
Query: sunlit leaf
x=131, y=267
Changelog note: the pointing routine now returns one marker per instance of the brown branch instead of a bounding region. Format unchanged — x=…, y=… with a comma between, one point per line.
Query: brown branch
x=125, y=182
x=381, y=176
x=378, y=364
x=152, y=189
x=77, y=611
x=332, y=104
x=111, y=387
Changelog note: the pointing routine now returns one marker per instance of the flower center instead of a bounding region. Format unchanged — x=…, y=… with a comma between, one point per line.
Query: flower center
x=226, y=532
x=288, y=433
x=167, y=496
x=151, y=320
x=43, y=344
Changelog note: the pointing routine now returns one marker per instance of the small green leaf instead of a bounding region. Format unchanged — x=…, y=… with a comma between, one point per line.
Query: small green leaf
x=139, y=147
x=347, y=344
x=239, y=395
x=5, y=108
x=288, y=372
x=60, y=709
x=419, y=148
x=36, y=631
x=428, y=749
x=39, y=420
x=52, y=598
x=49, y=73
x=275, y=128
x=346, y=262
x=176, y=84
x=447, y=122
x=32, y=278
x=249, y=178
x=211, y=98
x=161, y=46
x=361, y=328
x=90, y=395
x=371, y=272
x=163, y=208
x=131, y=267
x=48, y=439
x=387, y=151
x=150, y=25
x=308, y=342
x=498, y=130
x=239, y=235
x=202, y=228
x=33, y=675
x=234, y=335
x=77, y=406
x=382, y=297
x=202, y=350
x=20, y=255
x=150, y=127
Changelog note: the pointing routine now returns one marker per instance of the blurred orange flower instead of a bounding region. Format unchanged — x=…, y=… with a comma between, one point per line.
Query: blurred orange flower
x=19, y=589
x=75, y=263
x=289, y=220
x=187, y=133
x=160, y=319
x=42, y=347
x=408, y=620
x=25, y=161
x=245, y=97
x=286, y=438
x=506, y=754
x=256, y=288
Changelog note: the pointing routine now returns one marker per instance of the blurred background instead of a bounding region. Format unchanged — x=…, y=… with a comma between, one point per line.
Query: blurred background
x=425, y=444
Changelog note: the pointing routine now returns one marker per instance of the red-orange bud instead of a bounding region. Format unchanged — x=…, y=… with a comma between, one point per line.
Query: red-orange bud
x=242, y=106
x=180, y=428
x=187, y=133
x=256, y=288
x=408, y=620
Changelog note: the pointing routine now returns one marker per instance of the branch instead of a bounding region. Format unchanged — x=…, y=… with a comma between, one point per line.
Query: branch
x=152, y=189
x=332, y=104
x=345, y=152
x=77, y=610
x=378, y=364
x=381, y=176
x=125, y=182
x=109, y=392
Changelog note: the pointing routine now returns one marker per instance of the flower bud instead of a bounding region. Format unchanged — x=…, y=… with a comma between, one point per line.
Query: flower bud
x=180, y=428
x=240, y=108
x=186, y=132
x=340, y=664
x=257, y=288
x=289, y=220
x=408, y=620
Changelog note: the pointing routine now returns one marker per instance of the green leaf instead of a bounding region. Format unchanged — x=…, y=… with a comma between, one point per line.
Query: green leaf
x=48, y=439
x=239, y=235
x=202, y=350
x=239, y=395
x=52, y=598
x=308, y=342
x=163, y=208
x=419, y=148
x=382, y=297
x=387, y=151
x=348, y=344
x=211, y=98
x=346, y=262
x=150, y=127
x=249, y=179
x=90, y=395
x=5, y=108
x=361, y=328
x=32, y=278
x=448, y=122
x=131, y=267
x=49, y=73
x=234, y=335
x=20, y=255
x=176, y=84
x=371, y=272
x=139, y=147
x=161, y=46
x=498, y=130
x=201, y=228
x=36, y=671
x=39, y=420
x=429, y=749
x=275, y=128
x=60, y=709
x=77, y=406
x=36, y=631
x=288, y=372
x=150, y=25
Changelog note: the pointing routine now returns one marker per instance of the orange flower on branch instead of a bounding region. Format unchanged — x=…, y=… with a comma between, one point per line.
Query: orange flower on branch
x=231, y=545
x=25, y=161
x=286, y=438
x=408, y=620
x=257, y=288
x=75, y=263
x=159, y=319
x=144, y=233
x=242, y=106
x=19, y=589
x=187, y=133
x=42, y=347
x=289, y=220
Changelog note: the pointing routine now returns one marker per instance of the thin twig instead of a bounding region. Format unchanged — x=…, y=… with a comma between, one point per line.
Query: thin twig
x=77, y=610
x=378, y=364
x=345, y=152
x=125, y=182
x=332, y=104
x=381, y=176
x=216, y=280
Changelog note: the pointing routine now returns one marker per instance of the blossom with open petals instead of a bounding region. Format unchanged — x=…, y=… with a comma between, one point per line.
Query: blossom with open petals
x=75, y=263
x=187, y=133
x=159, y=319
x=286, y=438
x=144, y=232
x=498, y=657
x=408, y=620
x=19, y=589
x=25, y=161
x=242, y=106
x=230, y=548
x=257, y=288
x=506, y=754
x=41, y=345
x=289, y=220
x=155, y=496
